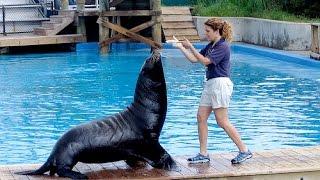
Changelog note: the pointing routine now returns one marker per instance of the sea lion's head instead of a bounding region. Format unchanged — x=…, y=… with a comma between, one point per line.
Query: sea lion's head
x=152, y=68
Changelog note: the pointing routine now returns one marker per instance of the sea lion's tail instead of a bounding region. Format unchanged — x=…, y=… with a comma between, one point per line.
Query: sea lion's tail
x=44, y=168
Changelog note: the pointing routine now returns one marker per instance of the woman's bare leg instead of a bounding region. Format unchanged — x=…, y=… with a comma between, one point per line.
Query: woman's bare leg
x=202, y=117
x=222, y=119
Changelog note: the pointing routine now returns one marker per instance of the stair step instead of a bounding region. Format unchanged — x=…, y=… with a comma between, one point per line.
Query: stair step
x=57, y=16
x=175, y=10
x=56, y=19
x=175, y=18
x=69, y=13
x=44, y=28
x=182, y=32
x=60, y=19
x=50, y=24
x=41, y=31
x=178, y=25
x=189, y=37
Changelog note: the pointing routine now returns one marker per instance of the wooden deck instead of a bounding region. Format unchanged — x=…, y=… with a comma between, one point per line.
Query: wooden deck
x=297, y=163
x=30, y=39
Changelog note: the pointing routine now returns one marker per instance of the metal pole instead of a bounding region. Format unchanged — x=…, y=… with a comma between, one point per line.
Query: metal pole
x=44, y=8
x=51, y=8
x=3, y=20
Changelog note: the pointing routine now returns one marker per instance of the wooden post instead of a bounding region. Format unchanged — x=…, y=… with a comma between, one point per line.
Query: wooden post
x=315, y=38
x=81, y=28
x=103, y=31
x=80, y=5
x=65, y=5
x=156, y=29
x=315, y=41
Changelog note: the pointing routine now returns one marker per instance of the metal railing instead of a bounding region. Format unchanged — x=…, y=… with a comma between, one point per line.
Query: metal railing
x=23, y=18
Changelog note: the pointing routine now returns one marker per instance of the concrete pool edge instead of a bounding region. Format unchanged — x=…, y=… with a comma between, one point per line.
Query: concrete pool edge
x=276, y=54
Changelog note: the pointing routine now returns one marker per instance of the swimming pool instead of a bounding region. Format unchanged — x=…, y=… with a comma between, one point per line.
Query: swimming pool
x=276, y=100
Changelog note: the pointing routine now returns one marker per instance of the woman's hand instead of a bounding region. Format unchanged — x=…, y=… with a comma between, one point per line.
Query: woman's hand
x=175, y=42
x=186, y=43
x=177, y=45
x=181, y=45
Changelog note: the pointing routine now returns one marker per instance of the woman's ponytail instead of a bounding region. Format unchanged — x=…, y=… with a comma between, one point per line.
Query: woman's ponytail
x=227, y=31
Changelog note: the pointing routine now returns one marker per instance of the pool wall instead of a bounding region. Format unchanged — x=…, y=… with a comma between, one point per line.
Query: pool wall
x=268, y=33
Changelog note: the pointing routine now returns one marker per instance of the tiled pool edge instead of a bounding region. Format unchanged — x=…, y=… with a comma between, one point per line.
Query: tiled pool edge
x=247, y=48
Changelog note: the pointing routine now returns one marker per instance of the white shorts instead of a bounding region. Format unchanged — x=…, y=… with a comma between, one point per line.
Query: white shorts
x=217, y=93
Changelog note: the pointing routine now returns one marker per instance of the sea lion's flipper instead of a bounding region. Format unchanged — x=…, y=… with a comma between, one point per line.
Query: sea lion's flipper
x=160, y=158
x=64, y=172
x=135, y=163
x=44, y=168
x=53, y=170
x=166, y=162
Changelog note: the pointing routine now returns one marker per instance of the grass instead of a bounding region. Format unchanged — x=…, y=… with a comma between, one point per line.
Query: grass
x=246, y=8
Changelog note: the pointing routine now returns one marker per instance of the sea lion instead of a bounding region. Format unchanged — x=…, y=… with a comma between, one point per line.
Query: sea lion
x=131, y=135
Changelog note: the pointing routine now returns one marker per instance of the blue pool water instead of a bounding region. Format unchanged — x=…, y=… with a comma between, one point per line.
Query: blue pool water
x=276, y=100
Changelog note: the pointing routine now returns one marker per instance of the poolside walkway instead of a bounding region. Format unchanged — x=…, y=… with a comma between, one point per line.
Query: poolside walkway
x=297, y=163
x=29, y=39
